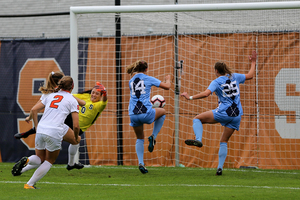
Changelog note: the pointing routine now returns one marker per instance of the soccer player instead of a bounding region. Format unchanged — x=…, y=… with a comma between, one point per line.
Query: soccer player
x=96, y=101
x=50, y=128
x=140, y=108
x=229, y=111
x=92, y=103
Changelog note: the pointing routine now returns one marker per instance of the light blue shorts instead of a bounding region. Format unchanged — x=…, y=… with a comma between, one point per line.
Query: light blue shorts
x=225, y=120
x=140, y=119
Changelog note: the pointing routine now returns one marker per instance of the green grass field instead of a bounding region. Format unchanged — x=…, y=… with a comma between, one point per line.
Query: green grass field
x=126, y=182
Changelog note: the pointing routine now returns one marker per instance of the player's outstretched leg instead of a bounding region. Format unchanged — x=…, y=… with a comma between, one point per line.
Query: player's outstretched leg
x=25, y=134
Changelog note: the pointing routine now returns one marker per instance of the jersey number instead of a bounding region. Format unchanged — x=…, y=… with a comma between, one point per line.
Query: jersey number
x=57, y=99
x=138, y=86
x=230, y=89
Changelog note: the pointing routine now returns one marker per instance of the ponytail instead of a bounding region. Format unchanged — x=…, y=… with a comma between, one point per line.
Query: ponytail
x=51, y=83
x=66, y=83
x=138, y=66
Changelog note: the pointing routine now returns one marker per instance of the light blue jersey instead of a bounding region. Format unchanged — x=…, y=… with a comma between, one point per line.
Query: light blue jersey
x=140, y=88
x=230, y=109
x=228, y=91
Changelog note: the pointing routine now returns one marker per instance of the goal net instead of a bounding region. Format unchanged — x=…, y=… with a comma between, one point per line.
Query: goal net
x=185, y=41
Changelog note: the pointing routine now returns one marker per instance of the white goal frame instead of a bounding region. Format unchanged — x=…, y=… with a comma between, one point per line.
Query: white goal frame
x=74, y=11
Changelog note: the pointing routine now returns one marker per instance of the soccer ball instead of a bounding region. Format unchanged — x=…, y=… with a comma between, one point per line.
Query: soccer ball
x=158, y=101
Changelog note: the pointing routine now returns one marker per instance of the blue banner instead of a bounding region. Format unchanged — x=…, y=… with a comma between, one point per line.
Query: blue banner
x=24, y=66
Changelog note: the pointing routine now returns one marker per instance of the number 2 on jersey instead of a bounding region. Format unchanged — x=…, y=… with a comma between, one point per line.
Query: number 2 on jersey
x=57, y=99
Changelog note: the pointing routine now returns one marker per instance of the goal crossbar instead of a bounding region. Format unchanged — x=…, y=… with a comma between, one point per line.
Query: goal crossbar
x=186, y=7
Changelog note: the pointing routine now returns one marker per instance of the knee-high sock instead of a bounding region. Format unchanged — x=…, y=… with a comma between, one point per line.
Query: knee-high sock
x=157, y=125
x=39, y=173
x=34, y=162
x=139, y=148
x=72, y=152
x=198, y=129
x=222, y=154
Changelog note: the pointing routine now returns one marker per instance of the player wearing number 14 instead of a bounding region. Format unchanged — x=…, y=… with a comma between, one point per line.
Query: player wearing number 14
x=140, y=108
x=229, y=111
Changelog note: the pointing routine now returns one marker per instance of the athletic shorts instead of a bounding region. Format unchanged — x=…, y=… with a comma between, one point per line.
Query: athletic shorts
x=225, y=120
x=140, y=119
x=43, y=142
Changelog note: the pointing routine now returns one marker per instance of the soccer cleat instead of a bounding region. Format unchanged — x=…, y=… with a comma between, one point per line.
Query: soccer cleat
x=25, y=134
x=196, y=143
x=75, y=166
x=21, y=135
x=143, y=169
x=17, y=168
x=151, y=143
x=219, y=172
x=26, y=186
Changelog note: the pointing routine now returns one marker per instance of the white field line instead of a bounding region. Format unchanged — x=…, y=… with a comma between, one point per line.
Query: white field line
x=160, y=185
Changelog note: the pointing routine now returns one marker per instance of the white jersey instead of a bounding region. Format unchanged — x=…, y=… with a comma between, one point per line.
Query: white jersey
x=44, y=96
x=57, y=107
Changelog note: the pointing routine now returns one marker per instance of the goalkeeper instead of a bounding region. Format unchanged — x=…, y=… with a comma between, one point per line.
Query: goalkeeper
x=96, y=101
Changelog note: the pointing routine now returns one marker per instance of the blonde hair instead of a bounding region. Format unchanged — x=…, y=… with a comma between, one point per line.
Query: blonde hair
x=138, y=66
x=222, y=68
x=51, y=83
x=66, y=83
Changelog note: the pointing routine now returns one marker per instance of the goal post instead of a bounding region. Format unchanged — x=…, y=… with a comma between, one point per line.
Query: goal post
x=204, y=36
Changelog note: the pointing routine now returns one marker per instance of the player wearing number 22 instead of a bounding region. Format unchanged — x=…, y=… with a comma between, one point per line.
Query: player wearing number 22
x=140, y=108
x=229, y=111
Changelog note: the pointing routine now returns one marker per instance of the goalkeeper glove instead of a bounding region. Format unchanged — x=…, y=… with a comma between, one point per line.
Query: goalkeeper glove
x=101, y=88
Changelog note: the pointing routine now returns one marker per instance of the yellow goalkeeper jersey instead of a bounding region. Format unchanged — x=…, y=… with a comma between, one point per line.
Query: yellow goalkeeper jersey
x=89, y=113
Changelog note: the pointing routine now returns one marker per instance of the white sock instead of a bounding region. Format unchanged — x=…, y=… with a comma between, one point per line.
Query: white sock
x=34, y=162
x=29, y=167
x=39, y=173
x=72, y=152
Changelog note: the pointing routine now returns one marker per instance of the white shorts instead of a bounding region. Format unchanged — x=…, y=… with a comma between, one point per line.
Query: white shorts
x=43, y=142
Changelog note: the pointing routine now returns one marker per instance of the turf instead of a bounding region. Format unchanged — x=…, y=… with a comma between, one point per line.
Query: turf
x=126, y=182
